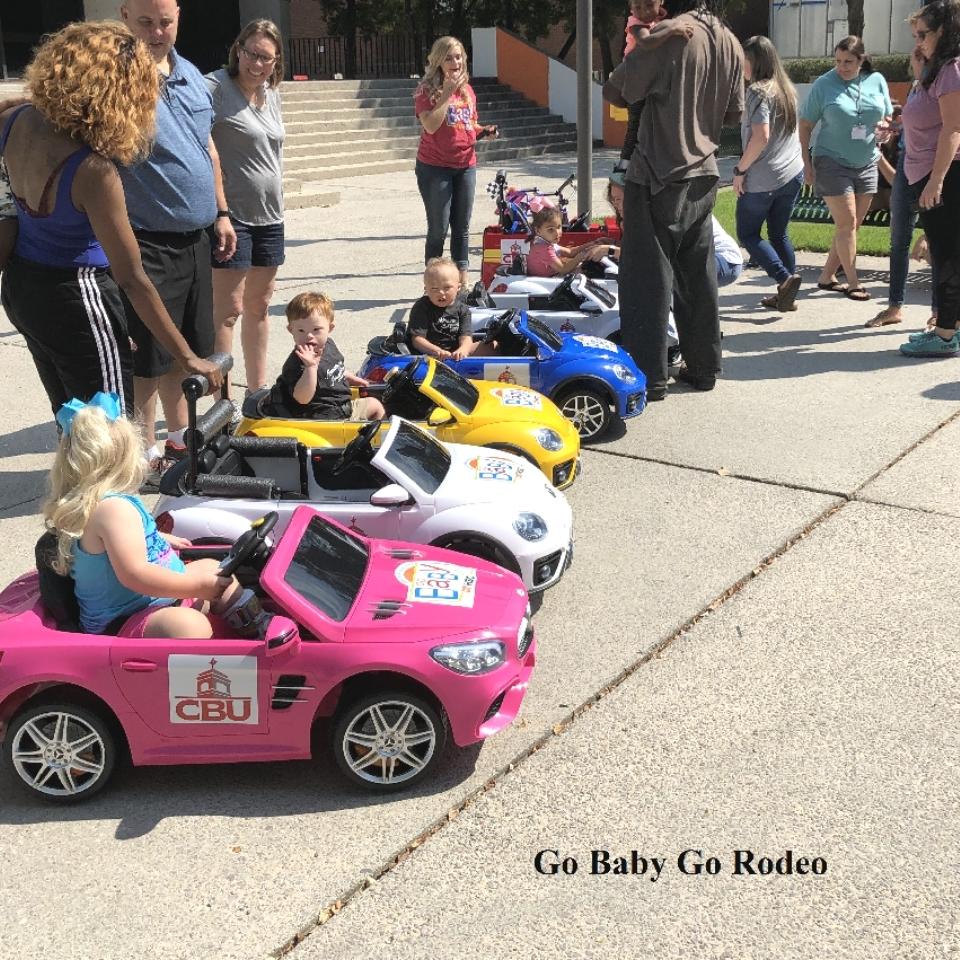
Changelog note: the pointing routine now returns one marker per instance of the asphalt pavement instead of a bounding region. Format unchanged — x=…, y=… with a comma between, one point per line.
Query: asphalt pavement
x=755, y=651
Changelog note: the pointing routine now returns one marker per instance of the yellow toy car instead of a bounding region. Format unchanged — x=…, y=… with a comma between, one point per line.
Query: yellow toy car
x=499, y=415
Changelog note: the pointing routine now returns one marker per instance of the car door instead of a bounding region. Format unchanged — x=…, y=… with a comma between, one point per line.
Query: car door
x=506, y=370
x=195, y=688
x=345, y=496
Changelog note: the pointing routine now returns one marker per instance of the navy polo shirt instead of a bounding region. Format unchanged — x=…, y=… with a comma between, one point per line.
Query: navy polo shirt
x=172, y=190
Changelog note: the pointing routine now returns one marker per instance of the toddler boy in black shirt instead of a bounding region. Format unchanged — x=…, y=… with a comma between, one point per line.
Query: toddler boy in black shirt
x=440, y=322
x=314, y=383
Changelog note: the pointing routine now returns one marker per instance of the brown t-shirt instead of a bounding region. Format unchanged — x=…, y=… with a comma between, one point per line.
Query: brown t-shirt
x=691, y=89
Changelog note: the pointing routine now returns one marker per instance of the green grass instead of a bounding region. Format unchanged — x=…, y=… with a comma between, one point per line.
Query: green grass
x=815, y=237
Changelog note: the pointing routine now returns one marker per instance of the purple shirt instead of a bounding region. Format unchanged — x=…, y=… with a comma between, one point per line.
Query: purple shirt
x=922, y=122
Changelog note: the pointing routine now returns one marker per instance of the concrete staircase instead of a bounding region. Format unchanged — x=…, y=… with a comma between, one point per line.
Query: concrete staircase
x=343, y=128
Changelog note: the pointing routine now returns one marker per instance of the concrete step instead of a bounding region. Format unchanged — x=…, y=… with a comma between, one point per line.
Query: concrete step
x=349, y=86
x=351, y=119
x=366, y=99
x=359, y=169
x=405, y=109
x=407, y=147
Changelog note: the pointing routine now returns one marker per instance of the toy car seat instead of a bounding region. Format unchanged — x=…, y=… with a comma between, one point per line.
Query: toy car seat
x=56, y=590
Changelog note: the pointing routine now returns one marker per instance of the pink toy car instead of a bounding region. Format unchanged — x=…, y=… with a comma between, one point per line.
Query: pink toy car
x=392, y=641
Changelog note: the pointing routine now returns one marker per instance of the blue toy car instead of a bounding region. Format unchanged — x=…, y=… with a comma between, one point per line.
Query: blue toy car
x=590, y=379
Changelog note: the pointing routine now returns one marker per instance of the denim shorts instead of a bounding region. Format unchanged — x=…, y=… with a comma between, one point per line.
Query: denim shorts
x=834, y=179
x=256, y=247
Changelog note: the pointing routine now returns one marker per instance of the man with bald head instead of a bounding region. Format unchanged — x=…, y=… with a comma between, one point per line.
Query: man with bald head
x=173, y=197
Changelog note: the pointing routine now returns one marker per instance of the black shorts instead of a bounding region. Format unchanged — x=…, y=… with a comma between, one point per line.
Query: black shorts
x=256, y=247
x=178, y=265
x=75, y=327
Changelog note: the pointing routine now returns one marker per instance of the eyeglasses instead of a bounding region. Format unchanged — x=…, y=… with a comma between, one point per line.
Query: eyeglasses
x=258, y=57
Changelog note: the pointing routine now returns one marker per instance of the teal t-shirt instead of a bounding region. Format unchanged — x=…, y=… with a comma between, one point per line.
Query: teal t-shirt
x=839, y=106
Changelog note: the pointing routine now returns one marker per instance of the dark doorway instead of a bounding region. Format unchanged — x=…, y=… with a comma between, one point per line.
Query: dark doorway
x=207, y=28
x=23, y=24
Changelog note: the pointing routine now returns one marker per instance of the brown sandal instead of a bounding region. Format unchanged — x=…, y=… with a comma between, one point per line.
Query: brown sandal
x=858, y=294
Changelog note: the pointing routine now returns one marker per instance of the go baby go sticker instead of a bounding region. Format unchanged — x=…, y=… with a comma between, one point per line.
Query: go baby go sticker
x=212, y=689
x=597, y=342
x=495, y=468
x=514, y=397
x=443, y=583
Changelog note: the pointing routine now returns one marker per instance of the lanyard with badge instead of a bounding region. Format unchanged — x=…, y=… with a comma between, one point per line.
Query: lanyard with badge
x=859, y=129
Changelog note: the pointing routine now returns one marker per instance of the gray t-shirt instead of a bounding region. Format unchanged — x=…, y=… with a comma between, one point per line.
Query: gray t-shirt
x=781, y=160
x=690, y=88
x=250, y=143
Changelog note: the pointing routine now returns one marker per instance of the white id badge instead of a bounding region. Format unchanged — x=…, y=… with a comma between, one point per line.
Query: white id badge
x=859, y=132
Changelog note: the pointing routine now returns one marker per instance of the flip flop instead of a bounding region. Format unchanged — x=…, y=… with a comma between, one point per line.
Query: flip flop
x=881, y=320
x=834, y=286
x=858, y=294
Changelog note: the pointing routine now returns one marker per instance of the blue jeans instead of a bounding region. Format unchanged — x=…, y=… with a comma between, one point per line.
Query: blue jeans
x=903, y=220
x=448, y=200
x=775, y=254
x=727, y=272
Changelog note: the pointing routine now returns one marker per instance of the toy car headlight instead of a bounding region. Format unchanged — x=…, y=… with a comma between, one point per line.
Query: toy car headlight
x=622, y=373
x=530, y=526
x=548, y=439
x=478, y=657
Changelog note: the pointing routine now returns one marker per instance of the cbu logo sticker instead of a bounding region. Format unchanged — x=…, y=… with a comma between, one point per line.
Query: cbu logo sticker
x=443, y=583
x=495, y=468
x=518, y=398
x=506, y=373
x=597, y=342
x=212, y=689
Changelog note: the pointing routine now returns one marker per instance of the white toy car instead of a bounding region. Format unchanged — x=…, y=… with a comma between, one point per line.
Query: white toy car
x=570, y=304
x=411, y=487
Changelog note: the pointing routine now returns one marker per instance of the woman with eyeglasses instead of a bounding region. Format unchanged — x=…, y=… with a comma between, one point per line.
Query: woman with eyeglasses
x=248, y=133
x=847, y=103
x=931, y=127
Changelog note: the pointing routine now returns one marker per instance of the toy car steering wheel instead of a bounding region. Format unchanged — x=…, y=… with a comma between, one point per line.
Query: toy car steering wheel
x=249, y=544
x=399, y=380
x=360, y=446
x=497, y=325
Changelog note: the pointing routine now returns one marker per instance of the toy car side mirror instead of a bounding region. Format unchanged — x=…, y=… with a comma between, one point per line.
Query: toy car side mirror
x=282, y=634
x=440, y=417
x=392, y=495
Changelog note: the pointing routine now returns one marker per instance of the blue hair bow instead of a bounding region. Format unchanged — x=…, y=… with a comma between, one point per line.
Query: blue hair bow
x=109, y=403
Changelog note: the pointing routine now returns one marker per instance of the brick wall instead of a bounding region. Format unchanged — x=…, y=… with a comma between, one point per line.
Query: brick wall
x=307, y=20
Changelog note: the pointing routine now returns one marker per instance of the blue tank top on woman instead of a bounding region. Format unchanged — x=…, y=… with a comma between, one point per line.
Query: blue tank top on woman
x=63, y=237
x=101, y=596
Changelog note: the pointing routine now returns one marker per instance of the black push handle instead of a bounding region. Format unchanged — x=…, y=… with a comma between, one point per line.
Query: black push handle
x=566, y=183
x=197, y=385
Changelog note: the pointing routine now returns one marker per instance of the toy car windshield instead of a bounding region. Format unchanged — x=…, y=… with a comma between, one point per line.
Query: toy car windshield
x=422, y=458
x=601, y=293
x=328, y=568
x=456, y=389
x=544, y=333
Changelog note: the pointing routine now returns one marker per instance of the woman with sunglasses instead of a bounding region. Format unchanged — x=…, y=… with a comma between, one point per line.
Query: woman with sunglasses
x=248, y=133
x=931, y=126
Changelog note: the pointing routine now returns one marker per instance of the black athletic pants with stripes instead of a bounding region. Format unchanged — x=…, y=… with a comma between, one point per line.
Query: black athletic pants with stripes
x=75, y=328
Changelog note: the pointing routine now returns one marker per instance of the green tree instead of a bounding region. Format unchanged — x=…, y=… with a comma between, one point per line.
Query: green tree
x=855, y=17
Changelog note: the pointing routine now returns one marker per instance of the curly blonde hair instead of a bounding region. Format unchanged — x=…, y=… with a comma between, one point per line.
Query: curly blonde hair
x=97, y=83
x=433, y=72
x=271, y=31
x=99, y=456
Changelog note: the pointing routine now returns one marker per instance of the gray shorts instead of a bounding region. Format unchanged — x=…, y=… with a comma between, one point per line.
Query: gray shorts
x=833, y=179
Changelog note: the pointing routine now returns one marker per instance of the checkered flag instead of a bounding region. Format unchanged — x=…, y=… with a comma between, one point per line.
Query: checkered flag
x=493, y=189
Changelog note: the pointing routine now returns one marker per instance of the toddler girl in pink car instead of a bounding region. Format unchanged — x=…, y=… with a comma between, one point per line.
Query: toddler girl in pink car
x=109, y=544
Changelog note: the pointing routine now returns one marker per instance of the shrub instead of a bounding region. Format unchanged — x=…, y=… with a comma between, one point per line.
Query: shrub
x=895, y=67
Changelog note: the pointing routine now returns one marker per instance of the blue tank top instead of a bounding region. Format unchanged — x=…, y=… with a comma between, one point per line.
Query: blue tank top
x=63, y=237
x=101, y=596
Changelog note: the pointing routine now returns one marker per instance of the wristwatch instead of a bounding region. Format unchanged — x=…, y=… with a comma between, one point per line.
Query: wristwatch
x=223, y=213
x=737, y=172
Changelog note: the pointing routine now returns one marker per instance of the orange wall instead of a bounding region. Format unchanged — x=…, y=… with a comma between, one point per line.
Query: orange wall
x=522, y=67
x=899, y=91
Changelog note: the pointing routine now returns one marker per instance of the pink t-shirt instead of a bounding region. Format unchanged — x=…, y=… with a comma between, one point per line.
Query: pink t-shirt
x=922, y=122
x=453, y=143
x=543, y=258
x=632, y=22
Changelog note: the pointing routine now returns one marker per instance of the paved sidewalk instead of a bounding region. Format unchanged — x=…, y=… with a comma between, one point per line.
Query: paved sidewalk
x=757, y=612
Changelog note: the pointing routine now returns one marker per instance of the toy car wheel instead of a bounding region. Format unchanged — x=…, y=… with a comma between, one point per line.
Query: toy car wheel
x=388, y=741
x=587, y=409
x=60, y=751
x=476, y=546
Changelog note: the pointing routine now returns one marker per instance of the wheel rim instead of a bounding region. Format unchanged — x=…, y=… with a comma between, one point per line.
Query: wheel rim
x=59, y=754
x=586, y=412
x=389, y=742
